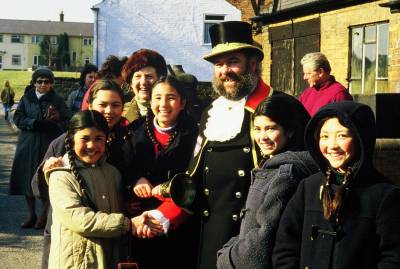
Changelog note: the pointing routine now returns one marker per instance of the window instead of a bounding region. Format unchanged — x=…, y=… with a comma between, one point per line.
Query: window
x=53, y=40
x=36, y=39
x=16, y=60
x=74, y=56
x=369, y=59
x=87, y=60
x=35, y=60
x=17, y=39
x=87, y=41
x=210, y=20
x=1, y=38
x=1, y=61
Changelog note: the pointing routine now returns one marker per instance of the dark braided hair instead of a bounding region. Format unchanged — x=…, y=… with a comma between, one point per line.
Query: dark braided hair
x=81, y=120
x=333, y=200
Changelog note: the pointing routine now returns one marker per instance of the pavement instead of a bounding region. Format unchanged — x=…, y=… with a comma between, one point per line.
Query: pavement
x=19, y=248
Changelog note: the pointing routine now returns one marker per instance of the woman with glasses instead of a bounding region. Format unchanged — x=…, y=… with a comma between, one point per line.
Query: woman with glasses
x=41, y=116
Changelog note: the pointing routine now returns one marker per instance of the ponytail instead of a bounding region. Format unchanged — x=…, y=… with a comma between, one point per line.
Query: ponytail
x=333, y=200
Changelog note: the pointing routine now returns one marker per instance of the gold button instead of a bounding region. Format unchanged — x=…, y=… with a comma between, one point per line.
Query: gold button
x=206, y=213
x=241, y=173
x=206, y=170
x=235, y=217
x=246, y=149
x=238, y=194
x=206, y=192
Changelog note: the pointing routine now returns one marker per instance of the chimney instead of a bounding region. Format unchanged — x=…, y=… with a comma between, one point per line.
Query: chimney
x=62, y=16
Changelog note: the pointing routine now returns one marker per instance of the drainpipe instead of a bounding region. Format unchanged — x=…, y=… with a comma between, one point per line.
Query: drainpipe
x=96, y=19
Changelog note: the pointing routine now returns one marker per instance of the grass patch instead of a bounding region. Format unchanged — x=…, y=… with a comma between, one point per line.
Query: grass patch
x=19, y=79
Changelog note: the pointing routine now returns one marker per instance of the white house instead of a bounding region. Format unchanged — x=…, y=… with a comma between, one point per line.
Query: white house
x=178, y=29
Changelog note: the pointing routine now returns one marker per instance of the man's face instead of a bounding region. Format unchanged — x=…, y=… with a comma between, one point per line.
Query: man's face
x=312, y=77
x=89, y=79
x=234, y=75
x=142, y=82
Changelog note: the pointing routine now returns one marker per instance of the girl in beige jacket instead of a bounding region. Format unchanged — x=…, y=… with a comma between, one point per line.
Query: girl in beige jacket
x=85, y=197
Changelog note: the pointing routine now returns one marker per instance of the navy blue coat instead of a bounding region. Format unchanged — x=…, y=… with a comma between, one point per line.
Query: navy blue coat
x=370, y=216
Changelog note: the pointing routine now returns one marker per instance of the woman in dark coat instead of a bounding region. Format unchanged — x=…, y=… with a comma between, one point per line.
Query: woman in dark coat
x=347, y=215
x=41, y=116
x=158, y=147
x=279, y=123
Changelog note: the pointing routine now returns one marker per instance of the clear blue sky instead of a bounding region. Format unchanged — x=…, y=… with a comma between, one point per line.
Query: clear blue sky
x=43, y=10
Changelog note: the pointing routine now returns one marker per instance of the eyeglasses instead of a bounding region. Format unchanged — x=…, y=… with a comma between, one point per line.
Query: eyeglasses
x=45, y=81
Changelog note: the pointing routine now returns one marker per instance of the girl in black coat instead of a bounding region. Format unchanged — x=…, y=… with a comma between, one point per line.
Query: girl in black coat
x=346, y=216
x=158, y=147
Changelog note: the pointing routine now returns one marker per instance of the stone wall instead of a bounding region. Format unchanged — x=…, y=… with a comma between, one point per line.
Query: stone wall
x=335, y=38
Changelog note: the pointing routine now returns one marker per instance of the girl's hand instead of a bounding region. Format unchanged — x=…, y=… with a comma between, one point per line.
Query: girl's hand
x=156, y=192
x=145, y=226
x=143, y=188
x=52, y=162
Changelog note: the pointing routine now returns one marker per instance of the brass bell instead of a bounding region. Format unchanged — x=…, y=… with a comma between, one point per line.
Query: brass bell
x=181, y=189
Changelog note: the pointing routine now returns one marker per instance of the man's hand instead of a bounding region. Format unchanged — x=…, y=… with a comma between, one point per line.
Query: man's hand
x=52, y=162
x=143, y=188
x=145, y=226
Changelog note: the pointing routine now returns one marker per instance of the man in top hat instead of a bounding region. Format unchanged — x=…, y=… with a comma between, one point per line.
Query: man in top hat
x=225, y=153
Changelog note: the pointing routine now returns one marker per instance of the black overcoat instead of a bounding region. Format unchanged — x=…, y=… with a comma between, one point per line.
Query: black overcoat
x=178, y=248
x=368, y=236
x=222, y=173
x=33, y=140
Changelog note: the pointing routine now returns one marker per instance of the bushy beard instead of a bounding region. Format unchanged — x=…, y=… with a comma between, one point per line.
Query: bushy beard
x=245, y=84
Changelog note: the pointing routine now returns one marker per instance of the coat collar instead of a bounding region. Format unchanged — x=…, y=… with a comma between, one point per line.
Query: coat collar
x=261, y=92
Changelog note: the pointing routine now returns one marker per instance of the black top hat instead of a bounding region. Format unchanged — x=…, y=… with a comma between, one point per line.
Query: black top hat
x=231, y=36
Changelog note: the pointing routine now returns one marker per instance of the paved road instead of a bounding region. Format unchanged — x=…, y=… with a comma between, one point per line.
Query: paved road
x=19, y=248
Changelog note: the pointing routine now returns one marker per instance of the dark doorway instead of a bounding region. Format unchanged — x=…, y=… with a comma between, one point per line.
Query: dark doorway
x=289, y=44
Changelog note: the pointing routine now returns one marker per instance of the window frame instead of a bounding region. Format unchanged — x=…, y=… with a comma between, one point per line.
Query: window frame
x=36, y=39
x=17, y=38
x=87, y=41
x=13, y=59
x=53, y=40
x=364, y=43
x=212, y=21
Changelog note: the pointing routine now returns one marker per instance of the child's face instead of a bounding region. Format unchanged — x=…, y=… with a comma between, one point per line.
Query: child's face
x=336, y=143
x=269, y=135
x=166, y=104
x=89, y=144
x=109, y=104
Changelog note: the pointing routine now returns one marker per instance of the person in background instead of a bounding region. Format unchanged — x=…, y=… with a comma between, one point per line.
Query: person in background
x=347, y=215
x=225, y=153
x=7, y=97
x=158, y=147
x=110, y=70
x=279, y=123
x=141, y=71
x=41, y=116
x=75, y=98
x=85, y=196
x=324, y=89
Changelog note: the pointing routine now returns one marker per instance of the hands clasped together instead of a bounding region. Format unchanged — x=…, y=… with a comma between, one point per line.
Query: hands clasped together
x=146, y=226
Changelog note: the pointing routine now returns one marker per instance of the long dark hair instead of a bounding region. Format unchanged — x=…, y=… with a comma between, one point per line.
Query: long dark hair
x=289, y=113
x=333, y=200
x=81, y=120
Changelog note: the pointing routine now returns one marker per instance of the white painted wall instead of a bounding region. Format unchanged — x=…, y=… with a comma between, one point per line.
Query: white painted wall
x=174, y=28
